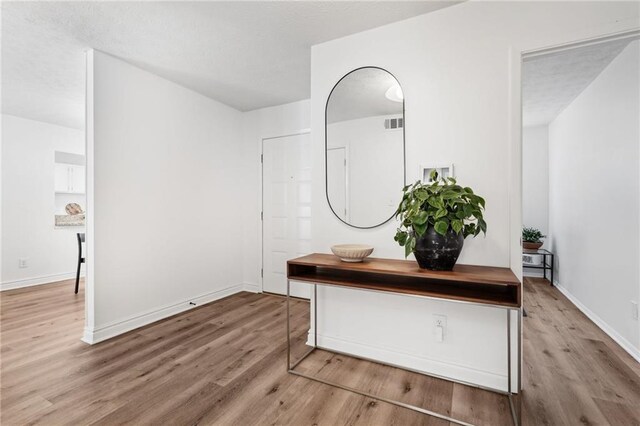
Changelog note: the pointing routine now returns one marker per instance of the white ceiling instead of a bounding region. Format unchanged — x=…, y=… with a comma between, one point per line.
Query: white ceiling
x=362, y=93
x=245, y=54
x=551, y=82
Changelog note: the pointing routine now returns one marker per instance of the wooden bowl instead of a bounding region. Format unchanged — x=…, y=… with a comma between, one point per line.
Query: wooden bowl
x=352, y=252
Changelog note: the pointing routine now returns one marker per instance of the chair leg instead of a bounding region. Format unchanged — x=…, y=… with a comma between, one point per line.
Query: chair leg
x=78, y=277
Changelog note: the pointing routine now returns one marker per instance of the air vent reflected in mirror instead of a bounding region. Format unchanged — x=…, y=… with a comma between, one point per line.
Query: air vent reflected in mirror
x=393, y=123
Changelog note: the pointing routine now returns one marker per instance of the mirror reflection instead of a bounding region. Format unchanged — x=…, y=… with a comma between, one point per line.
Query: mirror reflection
x=364, y=132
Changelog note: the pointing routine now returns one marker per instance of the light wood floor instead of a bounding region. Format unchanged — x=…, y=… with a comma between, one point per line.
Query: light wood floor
x=224, y=363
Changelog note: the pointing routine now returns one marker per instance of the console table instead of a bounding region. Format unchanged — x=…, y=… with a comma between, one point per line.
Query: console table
x=478, y=285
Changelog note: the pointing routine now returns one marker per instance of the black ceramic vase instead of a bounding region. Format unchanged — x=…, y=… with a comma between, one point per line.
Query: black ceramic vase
x=438, y=252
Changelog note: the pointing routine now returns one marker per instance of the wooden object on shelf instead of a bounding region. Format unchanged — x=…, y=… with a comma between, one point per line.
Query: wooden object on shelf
x=479, y=284
x=73, y=208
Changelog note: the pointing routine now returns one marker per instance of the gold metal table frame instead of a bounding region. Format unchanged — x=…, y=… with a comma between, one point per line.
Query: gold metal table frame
x=515, y=414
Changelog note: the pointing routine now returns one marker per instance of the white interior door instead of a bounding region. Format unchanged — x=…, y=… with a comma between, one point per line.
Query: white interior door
x=286, y=203
x=337, y=182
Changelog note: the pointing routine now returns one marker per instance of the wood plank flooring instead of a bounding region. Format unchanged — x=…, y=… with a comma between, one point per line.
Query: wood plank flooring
x=224, y=363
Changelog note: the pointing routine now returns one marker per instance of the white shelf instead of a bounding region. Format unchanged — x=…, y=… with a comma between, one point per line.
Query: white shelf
x=69, y=193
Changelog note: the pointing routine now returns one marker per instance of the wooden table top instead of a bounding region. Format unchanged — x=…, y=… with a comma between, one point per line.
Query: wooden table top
x=461, y=273
x=485, y=285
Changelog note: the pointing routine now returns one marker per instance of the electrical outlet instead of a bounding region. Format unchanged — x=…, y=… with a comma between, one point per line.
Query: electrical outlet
x=439, y=327
x=634, y=309
x=23, y=262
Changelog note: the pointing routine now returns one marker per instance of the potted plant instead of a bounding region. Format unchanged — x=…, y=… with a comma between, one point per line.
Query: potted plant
x=435, y=218
x=532, y=238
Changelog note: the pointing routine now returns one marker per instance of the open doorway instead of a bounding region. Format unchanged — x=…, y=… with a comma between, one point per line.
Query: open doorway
x=43, y=185
x=580, y=171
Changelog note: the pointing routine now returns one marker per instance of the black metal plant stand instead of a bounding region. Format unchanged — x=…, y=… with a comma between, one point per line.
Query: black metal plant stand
x=545, y=266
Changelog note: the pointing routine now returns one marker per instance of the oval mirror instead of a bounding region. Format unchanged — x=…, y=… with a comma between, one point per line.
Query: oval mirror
x=364, y=147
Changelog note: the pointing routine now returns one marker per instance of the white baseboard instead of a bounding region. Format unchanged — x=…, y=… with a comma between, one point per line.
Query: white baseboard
x=44, y=279
x=113, y=329
x=620, y=340
x=445, y=370
x=251, y=287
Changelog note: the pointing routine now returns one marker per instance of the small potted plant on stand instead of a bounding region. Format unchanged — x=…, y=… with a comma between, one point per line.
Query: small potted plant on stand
x=435, y=218
x=532, y=238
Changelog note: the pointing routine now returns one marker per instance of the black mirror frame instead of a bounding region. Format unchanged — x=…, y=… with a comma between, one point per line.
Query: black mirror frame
x=326, y=146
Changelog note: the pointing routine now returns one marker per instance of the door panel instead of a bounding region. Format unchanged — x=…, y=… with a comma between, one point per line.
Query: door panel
x=286, y=226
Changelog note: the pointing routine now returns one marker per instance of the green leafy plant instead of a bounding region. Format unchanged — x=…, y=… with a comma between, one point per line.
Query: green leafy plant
x=441, y=203
x=532, y=235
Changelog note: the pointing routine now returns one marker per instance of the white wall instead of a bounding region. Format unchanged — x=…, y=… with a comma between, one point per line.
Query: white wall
x=594, y=147
x=28, y=203
x=257, y=125
x=535, y=184
x=167, y=166
x=460, y=78
x=535, y=178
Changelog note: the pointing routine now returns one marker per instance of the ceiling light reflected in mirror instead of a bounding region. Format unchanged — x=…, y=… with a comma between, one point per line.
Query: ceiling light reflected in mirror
x=394, y=93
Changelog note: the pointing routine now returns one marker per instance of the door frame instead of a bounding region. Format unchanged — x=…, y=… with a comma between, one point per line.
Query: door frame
x=88, y=334
x=517, y=55
x=261, y=203
x=528, y=54
x=346, y=179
